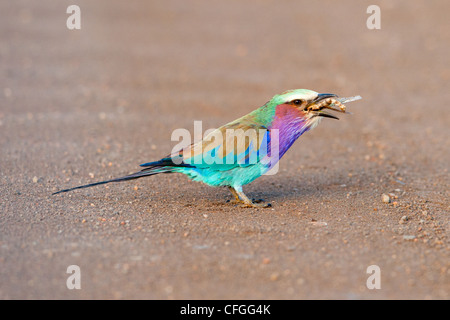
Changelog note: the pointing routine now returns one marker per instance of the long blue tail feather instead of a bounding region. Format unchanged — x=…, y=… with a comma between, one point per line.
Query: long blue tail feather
x=144, y=173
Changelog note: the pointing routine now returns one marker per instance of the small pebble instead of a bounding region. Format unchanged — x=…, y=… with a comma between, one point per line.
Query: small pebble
x=274, y=276
x=403, y=220
x=319, y=223
x=385, y=198
x=407, y=237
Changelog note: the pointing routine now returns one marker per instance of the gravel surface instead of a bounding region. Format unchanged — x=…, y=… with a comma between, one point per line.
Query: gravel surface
x=78, y=106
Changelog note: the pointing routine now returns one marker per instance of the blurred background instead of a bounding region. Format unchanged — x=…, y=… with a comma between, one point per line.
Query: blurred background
x=90, y=104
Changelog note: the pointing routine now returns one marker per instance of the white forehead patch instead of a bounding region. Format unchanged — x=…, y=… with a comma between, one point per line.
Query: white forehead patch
x=302, y=94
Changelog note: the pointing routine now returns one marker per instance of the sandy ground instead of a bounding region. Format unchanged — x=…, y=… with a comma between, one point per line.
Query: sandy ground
x=78, y=106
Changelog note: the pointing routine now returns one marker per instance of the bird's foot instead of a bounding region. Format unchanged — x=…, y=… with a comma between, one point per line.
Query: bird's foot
x=257, y=200
x=235, y=201
x=244, y=201
x=254, y=204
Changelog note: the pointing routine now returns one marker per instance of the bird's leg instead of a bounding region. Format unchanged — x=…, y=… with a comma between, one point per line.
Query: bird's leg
x=235, y=194
x=242, y=198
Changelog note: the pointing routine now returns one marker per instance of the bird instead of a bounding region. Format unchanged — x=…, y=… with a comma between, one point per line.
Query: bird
x=242, y=150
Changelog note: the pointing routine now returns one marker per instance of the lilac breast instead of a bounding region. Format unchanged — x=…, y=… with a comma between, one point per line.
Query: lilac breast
x=290, y=123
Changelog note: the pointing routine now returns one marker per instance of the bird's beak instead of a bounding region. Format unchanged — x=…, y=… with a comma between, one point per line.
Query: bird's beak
x=320, y=113
x=322, y=96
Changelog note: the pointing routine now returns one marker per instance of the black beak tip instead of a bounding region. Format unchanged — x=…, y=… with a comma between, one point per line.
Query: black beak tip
x=322, y=96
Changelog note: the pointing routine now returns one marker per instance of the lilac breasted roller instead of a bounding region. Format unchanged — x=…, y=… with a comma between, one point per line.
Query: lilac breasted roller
x=241, y=151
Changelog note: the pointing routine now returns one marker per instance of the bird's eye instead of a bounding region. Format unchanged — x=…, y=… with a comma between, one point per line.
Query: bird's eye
x=297, y=102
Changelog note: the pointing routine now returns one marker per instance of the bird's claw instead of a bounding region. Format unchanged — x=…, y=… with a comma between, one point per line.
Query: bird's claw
x=256, y=205
x=235, y=201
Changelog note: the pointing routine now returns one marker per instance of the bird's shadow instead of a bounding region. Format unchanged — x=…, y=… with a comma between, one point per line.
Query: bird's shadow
x=285, y=188
x=280, y=189
x=310, y=185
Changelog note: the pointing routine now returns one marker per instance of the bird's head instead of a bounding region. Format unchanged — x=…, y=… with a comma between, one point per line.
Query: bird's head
x=310, y=105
